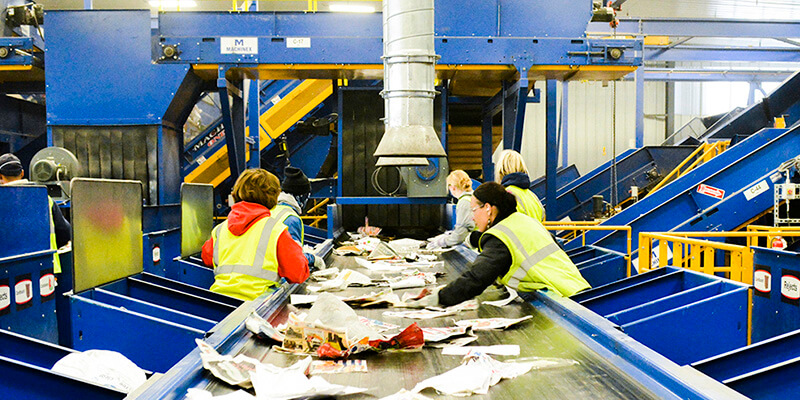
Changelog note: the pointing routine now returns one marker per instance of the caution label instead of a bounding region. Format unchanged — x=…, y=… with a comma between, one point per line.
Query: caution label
x=711, y=191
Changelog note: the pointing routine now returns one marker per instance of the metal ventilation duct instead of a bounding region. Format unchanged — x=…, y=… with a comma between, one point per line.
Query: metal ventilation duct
x=408, y=77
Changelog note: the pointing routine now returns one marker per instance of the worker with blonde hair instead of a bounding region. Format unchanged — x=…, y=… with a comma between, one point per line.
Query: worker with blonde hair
x=252, y=250
x=460, y=186
x=513, y=174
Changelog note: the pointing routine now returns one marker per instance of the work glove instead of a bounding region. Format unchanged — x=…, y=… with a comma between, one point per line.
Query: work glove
x=435, y=242
x=319, y=263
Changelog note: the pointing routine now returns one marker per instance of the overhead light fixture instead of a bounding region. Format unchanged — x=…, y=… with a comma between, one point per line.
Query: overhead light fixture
x=351, y=8
x=173, y=3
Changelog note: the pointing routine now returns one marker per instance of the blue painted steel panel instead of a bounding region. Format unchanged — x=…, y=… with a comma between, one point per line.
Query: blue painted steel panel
x=191, y=273
x=699, y=27
x=773, y=313
x=170, y=298
x=151, y=343
x=672, y=311
x=778, y=382
x=19, y=380
x=29, y=350
x=643, y=168
x=755, y=357
x=563, y=176
x=116, y=81
x=112, y=299
x=25, y=209
x=604, y=269
x=195, y=290
x=651, y=290
x=26, y=309
x=696, y=330
x=160, y=250
x=678, y=207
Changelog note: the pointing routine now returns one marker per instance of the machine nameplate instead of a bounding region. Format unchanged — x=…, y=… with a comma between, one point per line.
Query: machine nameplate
x=298, y=43
x=756, y=190
x=238, y=45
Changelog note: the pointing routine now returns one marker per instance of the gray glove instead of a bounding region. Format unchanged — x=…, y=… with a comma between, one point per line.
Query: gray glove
x=319, y=263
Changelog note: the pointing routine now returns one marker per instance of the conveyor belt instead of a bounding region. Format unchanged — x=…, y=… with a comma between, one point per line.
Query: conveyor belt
x=594, y=377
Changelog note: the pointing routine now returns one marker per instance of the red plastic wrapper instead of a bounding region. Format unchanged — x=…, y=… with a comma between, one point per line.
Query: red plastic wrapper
x=410, y=338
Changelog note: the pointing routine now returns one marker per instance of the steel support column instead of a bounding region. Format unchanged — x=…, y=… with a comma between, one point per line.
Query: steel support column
x=515, y=98
x=639, y=79
x=564, y=134
x=253, y=115
x=486, y=147
x=551, y=146
x=233, y=120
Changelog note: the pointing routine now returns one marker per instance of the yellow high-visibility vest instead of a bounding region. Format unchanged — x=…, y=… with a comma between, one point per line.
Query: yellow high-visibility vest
x=246, y=266
x=528, y=203
x=537, y=261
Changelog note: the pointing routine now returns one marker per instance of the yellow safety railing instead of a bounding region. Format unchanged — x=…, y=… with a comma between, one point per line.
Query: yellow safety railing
x=584, y=228
x=698, y=255
x=315, y=219
x=572, y=233
x=708, y=150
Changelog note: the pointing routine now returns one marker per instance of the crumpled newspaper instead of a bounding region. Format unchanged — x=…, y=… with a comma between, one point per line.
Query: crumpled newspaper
x=233, y=370
x=476, y=374
x=341, y=281
x=435, y=312
x=512, y=295
x=275, y=383
x=261, y=328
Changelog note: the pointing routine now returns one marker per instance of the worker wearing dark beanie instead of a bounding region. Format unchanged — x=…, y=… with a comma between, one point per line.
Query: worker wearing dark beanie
x=295, y=191
x=10, y=168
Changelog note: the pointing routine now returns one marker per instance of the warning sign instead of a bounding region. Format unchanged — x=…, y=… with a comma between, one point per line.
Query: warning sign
x=710, y=191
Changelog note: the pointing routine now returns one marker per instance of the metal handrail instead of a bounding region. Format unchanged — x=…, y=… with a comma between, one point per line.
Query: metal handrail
x=584, y=228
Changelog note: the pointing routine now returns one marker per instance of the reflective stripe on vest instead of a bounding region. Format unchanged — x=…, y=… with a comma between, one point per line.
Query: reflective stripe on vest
x=283, y=211
x=536, y=260
x=53, y=244
x=530, y=259
x=255, y=270
x=528, y=203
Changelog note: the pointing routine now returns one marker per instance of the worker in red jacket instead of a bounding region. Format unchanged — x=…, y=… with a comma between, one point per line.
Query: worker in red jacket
x=252, y=250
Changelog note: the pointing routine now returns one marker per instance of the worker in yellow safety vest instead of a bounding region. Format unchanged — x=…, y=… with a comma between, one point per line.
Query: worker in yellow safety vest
x=515, y=250
x=252, y=250
x=12, y=173
x=513, y=174
x=460, y=186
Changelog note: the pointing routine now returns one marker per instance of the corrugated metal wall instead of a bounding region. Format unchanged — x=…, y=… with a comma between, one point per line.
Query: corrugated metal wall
x=590, y=123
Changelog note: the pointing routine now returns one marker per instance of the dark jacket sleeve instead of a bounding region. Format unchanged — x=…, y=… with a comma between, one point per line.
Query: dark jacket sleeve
x=62, y=227
x=492, y=263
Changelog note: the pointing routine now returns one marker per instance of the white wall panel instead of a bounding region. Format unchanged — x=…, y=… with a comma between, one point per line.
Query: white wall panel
x=590, y=123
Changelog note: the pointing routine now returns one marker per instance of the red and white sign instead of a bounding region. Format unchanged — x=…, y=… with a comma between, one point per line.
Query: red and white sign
x=23, y=291
x=5, y=297
x=761, y=280
x=710, y=191
x=47, y=285
x=156, y=254
x=790, y=287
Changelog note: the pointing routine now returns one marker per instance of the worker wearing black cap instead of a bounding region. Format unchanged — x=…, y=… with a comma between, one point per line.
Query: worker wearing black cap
x=11, y=173
x=295, y=191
